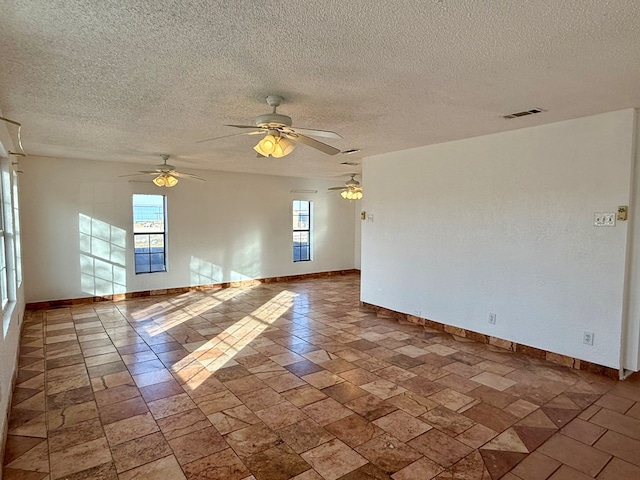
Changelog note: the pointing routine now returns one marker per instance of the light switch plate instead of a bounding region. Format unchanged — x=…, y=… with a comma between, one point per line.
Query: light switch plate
x=602, y=219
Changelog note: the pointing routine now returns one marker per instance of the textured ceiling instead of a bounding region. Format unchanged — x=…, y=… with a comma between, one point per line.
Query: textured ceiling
x=129, y=80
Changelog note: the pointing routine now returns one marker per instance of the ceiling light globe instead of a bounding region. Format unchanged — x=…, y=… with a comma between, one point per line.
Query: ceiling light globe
x=266, y=146
x=344, y=194
x=170, y=181
x=286, y=145
x=159, y=181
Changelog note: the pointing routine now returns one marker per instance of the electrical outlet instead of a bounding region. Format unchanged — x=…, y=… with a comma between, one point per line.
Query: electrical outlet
x=587, y=338
x=492, y=318
x=622, y=213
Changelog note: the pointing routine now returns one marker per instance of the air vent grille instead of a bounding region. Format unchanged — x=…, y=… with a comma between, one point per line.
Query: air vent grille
x=351, y=151
x=523, y=113
x=353, y=164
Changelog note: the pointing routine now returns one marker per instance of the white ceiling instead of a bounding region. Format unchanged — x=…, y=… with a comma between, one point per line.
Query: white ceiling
x=128, y=80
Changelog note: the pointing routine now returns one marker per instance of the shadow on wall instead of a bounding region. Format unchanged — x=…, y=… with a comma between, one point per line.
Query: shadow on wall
x=102, y=257
x=202, y=272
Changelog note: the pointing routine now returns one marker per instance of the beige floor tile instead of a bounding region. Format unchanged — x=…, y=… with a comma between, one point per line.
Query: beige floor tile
x=402, y=425
x=161, y=469
x=79, y=457
x=581, y=457
x=333, y=459
x=130, y=428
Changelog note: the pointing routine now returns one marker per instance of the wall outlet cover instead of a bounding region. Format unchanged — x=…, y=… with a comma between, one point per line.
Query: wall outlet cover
x=587, y=338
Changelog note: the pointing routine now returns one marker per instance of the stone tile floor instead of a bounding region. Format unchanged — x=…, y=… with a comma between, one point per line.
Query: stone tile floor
x=295, y=380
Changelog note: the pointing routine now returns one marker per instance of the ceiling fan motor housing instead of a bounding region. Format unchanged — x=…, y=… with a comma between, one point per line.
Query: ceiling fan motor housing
x=352, y=182
x=273, y=120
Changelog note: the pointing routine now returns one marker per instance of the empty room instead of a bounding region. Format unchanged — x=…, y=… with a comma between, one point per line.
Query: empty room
x=319, y=240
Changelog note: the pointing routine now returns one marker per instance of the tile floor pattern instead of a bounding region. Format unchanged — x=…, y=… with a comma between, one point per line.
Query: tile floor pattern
x=295, y=380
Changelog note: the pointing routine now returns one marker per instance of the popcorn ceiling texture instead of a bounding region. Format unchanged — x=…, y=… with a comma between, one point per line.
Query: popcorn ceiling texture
x=127, y=81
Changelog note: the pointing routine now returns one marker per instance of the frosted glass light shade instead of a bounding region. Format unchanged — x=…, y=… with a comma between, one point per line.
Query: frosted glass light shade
x=351, y=194
x=165, y=180
x=266, y=146
x=272, y=146
x=284, y=147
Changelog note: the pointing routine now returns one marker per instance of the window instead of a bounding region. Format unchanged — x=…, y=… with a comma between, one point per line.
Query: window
x=7, y=258
x=149, y=233
x=16, y=231
x=4, y=291
x=302, y=231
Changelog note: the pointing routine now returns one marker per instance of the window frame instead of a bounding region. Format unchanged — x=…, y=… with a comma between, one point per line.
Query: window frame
x=149, y=234
x=308, y=230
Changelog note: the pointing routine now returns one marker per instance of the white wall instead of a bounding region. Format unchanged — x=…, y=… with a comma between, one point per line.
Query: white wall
x=358, y=234
x=630, y=342
x=12, y=314
x=503, y=224
x=233, y=227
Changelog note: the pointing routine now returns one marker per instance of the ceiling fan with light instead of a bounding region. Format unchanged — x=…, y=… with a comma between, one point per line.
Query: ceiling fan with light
x=352, y=190
x=280, y=137
x=166, y=175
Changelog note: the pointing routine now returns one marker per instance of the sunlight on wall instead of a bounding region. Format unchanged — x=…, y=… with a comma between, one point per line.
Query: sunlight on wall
x=238, y=277
x=203, y=272
x=247, y=257
x=102, y=257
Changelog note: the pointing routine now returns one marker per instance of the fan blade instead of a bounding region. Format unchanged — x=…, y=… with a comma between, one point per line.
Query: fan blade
x=187, y=175
x=146, y=172
x=240, y=126
x=337, y=188
x=232, y=135
x=323, y=147
x=309, y=131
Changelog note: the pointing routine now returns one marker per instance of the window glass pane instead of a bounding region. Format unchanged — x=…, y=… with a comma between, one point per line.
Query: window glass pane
x=148, y=213
x=3, y=274
x=143, y=263
x=141, y=243
x=157, y=262
x=149, y=233
x=156, y=242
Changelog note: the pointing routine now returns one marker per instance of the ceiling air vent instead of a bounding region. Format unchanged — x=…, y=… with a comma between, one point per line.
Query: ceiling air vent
x=524, y=113
x=351, y=151
x=353, y=164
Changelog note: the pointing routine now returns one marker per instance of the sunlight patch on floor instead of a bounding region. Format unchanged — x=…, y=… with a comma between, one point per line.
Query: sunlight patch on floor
x=219, y=352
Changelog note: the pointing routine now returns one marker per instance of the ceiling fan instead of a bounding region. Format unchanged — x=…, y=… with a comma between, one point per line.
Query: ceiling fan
x=278, y=133
x=166, y=175
x=352, y=190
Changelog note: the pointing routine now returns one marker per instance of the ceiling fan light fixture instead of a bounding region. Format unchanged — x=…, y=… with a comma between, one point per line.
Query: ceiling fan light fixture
x=159, y=181
x=274, y=146
x=351, y=194
x=165, y=180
